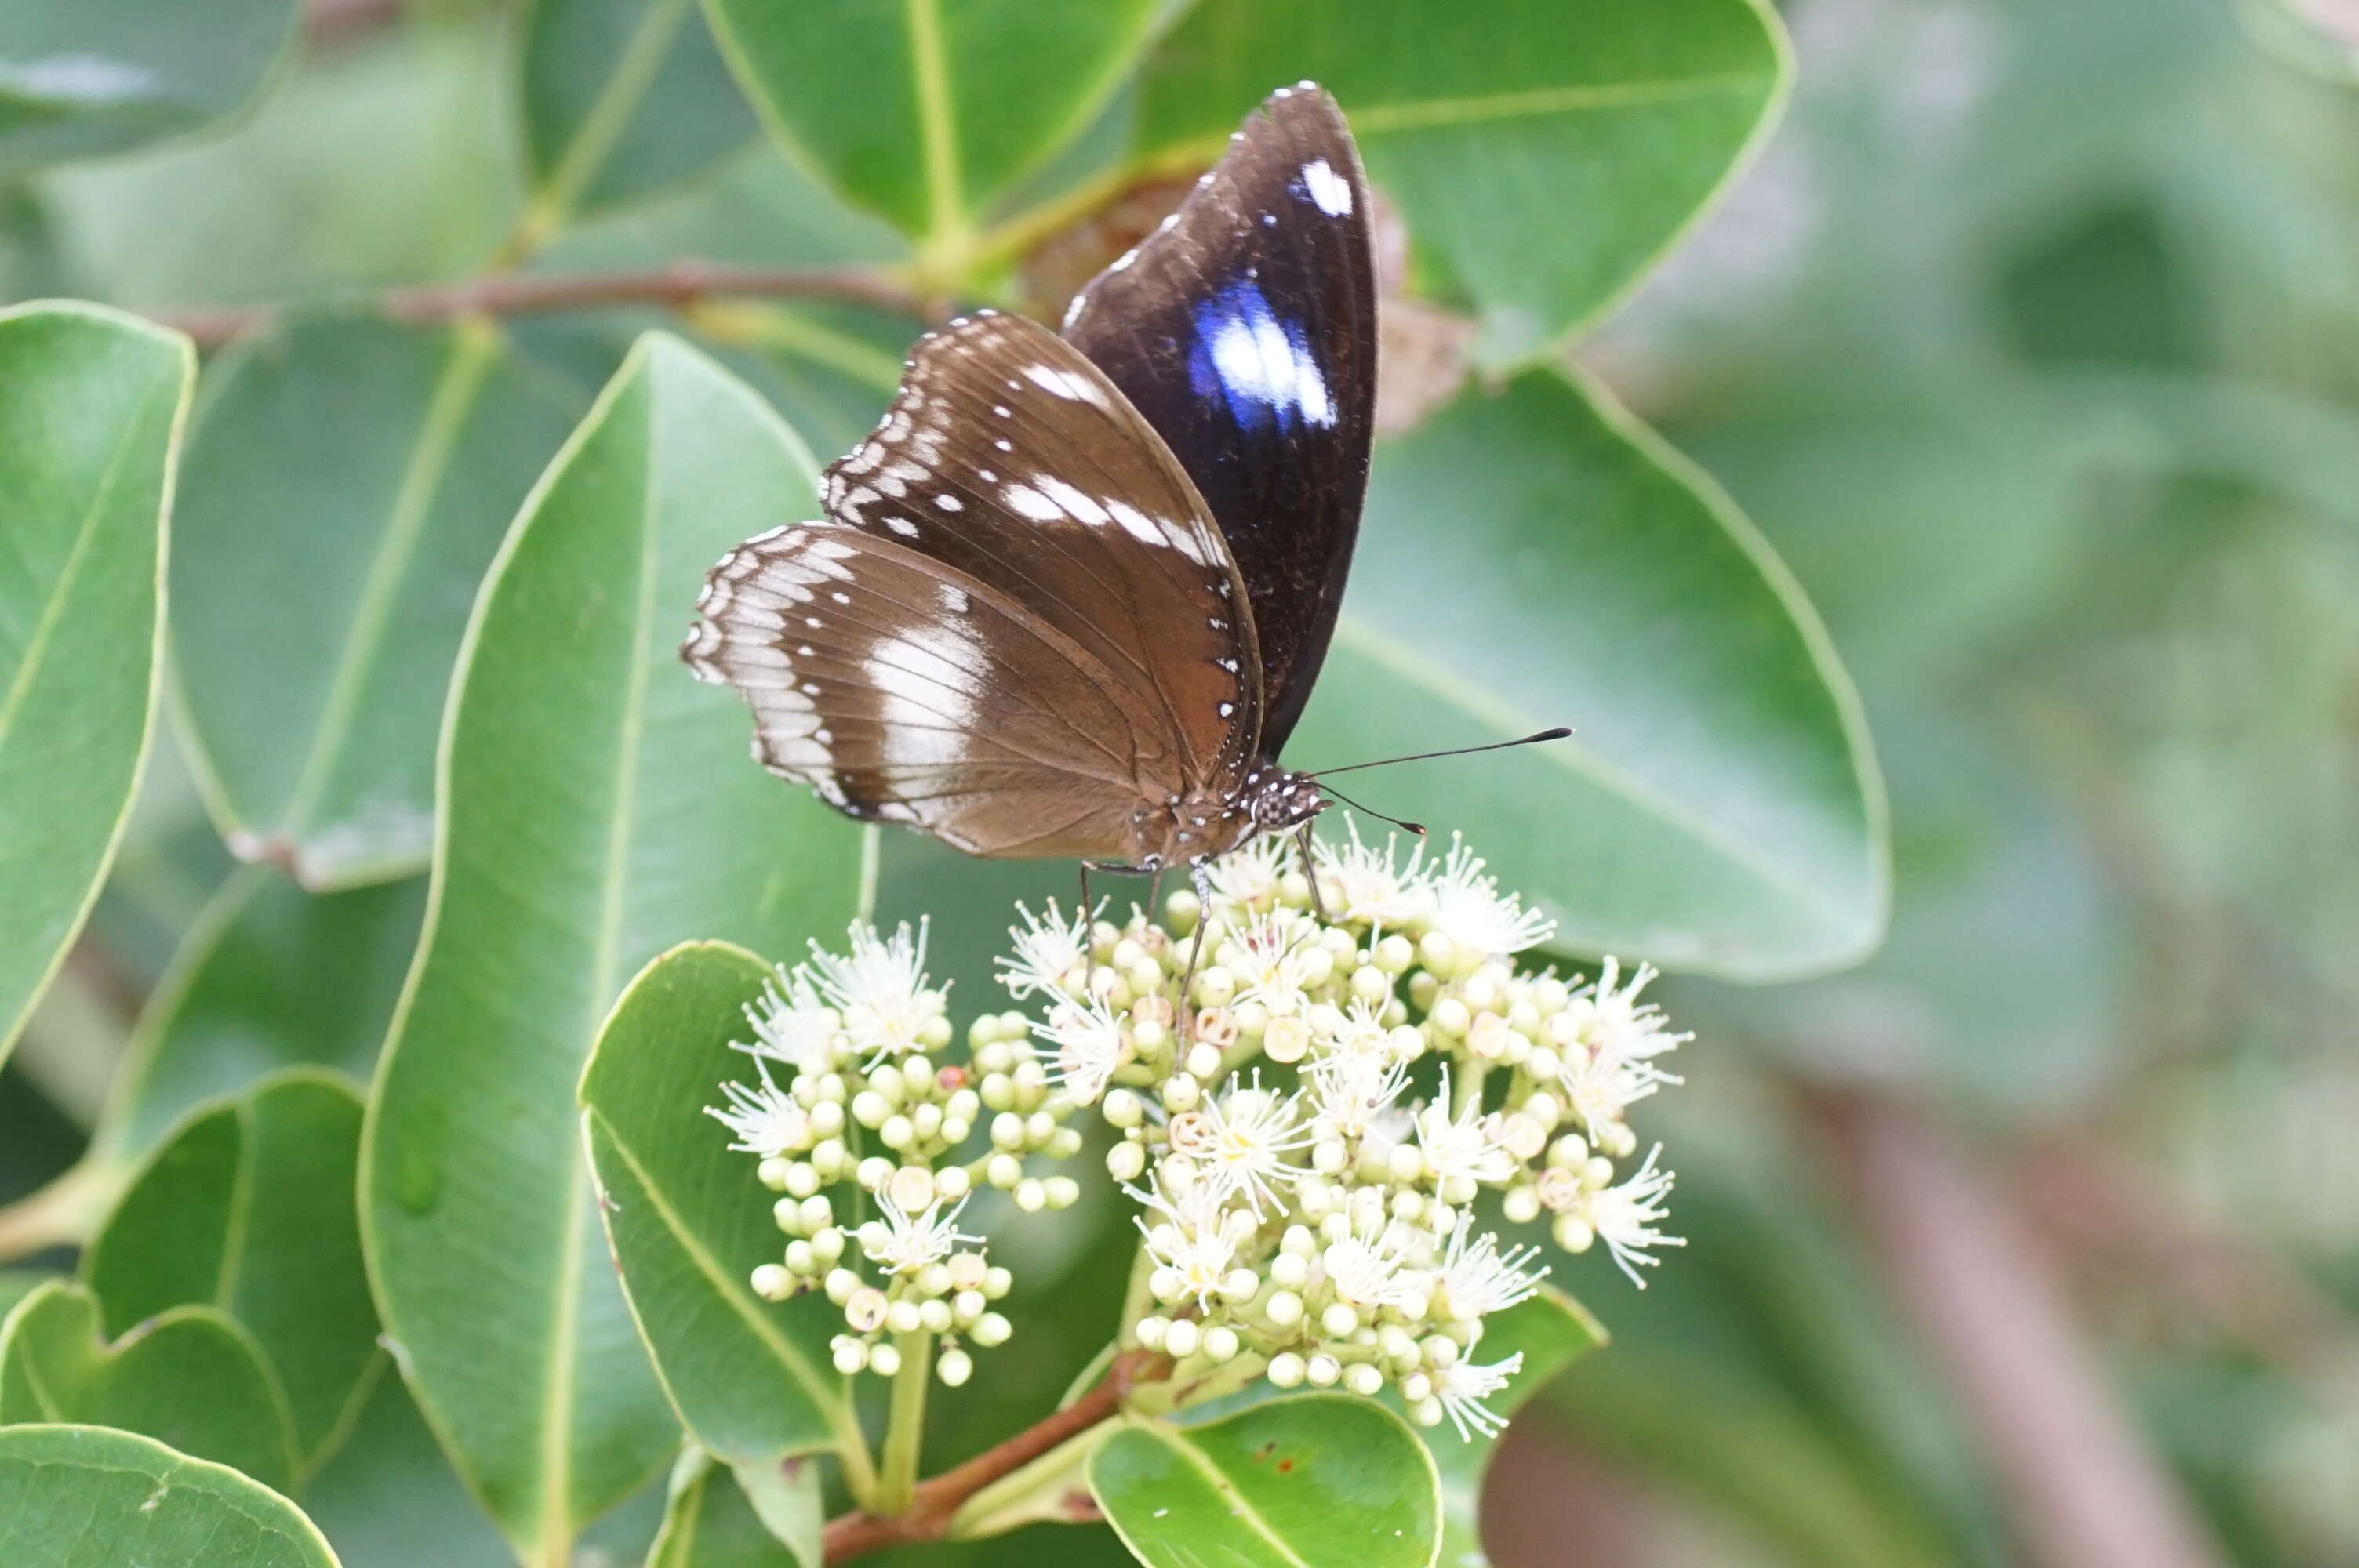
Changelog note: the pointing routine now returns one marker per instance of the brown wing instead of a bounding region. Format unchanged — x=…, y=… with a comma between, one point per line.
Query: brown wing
x=1009, y=456
x=907, y=691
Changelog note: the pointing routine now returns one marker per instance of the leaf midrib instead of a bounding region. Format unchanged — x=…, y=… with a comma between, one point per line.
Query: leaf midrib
x=53, y=610
x=1223, y=1486
x=1575, y=758
x=421, y=481
x=722, y=1280
x=557, y=1451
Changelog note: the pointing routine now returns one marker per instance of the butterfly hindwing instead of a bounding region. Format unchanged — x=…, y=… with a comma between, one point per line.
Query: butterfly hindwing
x=906, y=692
x=1244, y=330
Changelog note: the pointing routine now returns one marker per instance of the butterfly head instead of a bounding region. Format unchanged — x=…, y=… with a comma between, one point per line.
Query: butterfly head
x=1277, y=800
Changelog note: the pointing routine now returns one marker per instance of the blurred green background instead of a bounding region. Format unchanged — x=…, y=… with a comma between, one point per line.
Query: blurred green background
x=2030, y=340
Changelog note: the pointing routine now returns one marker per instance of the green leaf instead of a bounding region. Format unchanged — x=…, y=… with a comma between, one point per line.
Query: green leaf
x=90, y=406
x=72, y=1496
x=1717, y=808
x=268, y=976
x=249, y=1209
x=623, y=97
x=189, y=1376
x=1550, y=1331
x=15, y=1284
x=925, y=110
x=81, y=80
x=1542, y=155
x=355, y=477
x=597, y=809
x=388, y=1498
x=274, y=207
x=709, y=1523
x=689, y=1223
x=1315, y=1478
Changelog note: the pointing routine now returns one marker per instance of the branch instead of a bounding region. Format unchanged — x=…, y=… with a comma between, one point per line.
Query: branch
x=676, y=287
x=2081, y=1485
x=855, y=1534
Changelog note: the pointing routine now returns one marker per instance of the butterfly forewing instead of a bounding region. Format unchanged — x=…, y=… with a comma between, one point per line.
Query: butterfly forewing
x=1007, y=457
x=1244, y=330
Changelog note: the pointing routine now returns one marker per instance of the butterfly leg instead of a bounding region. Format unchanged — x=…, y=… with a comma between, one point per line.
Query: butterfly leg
x=1203, y=884
x=1311, y=873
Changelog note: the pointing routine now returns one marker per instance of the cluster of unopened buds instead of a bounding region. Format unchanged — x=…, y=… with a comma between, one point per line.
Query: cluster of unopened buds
x=862, y=1127
x=1352, y=1071
x=1320, y=1226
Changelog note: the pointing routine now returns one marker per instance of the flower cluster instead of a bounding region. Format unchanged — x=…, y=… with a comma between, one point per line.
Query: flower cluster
x=864, y=1130
x=1318, y=1225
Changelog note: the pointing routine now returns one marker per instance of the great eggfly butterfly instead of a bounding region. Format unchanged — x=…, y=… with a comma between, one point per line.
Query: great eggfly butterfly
x=1070, y=596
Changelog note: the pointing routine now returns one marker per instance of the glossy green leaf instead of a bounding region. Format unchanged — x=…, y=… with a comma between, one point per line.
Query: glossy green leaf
x=103, y=75
x=268, y=976
x=386, y=163
x=598, y=807
x=15, y=1284
x=249, y=1209
x=1551, y=1332
x=1312, y=1478
x=709, y=1523
x=77, y=1496
x=1542, y=155
x=621, y=99
x=925, y=110
x=689, y=1223
x=348, y=482
x=90, y=406
x=1717, y=808
x=189, y=1376
x=388, y=1498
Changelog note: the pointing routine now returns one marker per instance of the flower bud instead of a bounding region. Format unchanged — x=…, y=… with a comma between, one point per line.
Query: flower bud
x=773, y=1283
x=955, y=1368
x=1286, y=1369
x=885, y=1360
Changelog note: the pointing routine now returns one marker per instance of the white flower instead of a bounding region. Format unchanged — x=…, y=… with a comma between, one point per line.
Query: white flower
x=791, y=1024
x=1089, y=1046
x=1461, y=1150
x=766, y=1121
x=1350, y=1092
x=1602, y=1087
x=1361, y=885
x=1271, y=960
x=880, y=987
x=1248, y=1134
x=1248, y=878
x=904, y=1244
x=1468, y=909
x=1461, y=1387
x=1049, y=949
x=1362, y=1032
x=1478, y=1280
x=1193, y=1239
x=1374, y=1273
x=1627, y=1218
x=1613, y=1022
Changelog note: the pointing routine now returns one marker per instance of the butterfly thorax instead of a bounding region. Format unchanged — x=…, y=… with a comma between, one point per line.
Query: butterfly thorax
x=1187, y=828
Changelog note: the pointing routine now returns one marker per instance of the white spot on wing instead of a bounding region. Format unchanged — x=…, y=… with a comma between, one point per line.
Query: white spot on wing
x=1254, y=358
x=1027, y=502
x=1329, y=191
x=1071, y=385
x=925, y=715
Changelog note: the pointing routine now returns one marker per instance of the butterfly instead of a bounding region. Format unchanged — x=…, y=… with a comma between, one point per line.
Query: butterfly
x=1070, y=596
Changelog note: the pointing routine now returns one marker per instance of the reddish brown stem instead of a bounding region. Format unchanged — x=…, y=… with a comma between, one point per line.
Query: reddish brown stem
x=2080, y=1481
x=855, y=1534
x=675, y=287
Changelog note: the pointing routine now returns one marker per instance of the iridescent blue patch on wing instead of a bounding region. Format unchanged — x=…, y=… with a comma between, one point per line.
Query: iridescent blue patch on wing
x=1255, y=362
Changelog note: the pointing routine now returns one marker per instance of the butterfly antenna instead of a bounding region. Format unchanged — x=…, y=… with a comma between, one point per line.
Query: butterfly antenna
x=1556, y=734
x=1415, y=828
